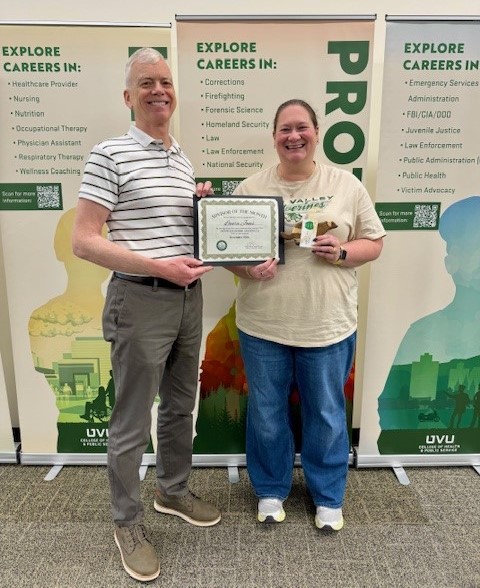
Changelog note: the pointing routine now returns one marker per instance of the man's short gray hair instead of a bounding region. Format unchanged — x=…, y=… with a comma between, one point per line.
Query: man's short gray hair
x=143, y=55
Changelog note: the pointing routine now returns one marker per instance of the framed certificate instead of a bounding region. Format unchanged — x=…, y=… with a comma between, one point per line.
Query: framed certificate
x=238, y=230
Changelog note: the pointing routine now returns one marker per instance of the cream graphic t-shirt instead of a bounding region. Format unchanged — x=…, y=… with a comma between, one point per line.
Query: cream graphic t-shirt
x=310, y=303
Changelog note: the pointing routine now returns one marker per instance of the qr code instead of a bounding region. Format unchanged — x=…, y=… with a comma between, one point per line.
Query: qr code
x=48, y=196
x=425, y=216
x=228, y=186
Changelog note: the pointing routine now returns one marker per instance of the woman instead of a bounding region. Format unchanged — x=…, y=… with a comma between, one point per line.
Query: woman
x=297, y=321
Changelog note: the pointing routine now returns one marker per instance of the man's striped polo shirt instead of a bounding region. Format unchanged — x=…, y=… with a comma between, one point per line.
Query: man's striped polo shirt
x=149, y=191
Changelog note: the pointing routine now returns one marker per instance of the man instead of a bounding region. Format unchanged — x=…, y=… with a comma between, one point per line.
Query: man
x=142, y=186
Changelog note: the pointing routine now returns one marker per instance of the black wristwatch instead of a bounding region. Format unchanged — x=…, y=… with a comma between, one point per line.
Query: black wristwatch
x=342, y=256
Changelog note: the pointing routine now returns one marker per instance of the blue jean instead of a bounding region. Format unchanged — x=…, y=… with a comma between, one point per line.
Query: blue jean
x=320, y=374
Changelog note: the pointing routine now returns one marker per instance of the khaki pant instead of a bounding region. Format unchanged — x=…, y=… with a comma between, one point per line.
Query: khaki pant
x=155, y=335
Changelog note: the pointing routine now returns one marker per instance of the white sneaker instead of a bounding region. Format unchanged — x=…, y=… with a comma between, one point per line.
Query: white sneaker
x=329, y=519
x=270, y=510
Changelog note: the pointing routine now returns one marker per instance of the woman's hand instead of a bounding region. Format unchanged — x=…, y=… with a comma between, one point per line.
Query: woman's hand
x=263, y=271
x=358, y=251
x=328, y=247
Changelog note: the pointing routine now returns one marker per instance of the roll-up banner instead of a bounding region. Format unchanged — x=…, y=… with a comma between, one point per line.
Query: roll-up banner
x=421, y=390
x=62, y=86
x=233, y=74
x=7, y=445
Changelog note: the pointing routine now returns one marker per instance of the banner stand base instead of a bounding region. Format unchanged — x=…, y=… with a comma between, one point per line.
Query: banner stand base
x=55, y=470
x=397, y=462
x=57, y=460
x=8, y=457
x=363, y=460
x=148, y=459
x=233, y=475
x=53, y=473
x=401, y=475
x=404, y=480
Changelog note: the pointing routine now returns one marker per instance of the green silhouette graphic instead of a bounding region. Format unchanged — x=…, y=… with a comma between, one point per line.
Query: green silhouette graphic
x=68, y=348
x=437, y=367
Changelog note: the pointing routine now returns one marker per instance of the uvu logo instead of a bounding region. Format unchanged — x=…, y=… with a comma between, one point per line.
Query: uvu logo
x=97, y=432
x=439, y=439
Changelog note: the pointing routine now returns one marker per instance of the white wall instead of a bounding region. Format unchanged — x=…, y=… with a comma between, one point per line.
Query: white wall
x=164, y=11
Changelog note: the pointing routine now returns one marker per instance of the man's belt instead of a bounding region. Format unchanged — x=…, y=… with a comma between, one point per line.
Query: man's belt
x=153, y=282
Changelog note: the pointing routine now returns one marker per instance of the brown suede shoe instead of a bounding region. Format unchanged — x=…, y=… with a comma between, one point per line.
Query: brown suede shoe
x=138, y=555
x=190, y=508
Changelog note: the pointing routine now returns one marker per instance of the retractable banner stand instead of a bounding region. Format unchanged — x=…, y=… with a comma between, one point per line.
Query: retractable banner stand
x=233, y=74
x=62, y=92
x=7, y=445
x=421, y=400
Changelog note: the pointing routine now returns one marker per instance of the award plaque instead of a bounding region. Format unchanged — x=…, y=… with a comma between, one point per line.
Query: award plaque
x=238, y=230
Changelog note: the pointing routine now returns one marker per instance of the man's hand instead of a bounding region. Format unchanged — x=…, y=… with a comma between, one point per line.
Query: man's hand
x=182, y=270
x=204, y=189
